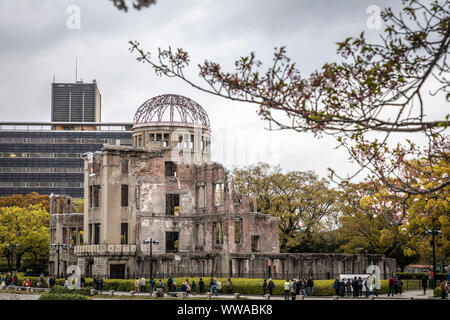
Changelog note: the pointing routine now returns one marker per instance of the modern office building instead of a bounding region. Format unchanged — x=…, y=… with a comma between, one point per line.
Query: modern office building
x=36, y=157
x=46, y=157
x=76, y=102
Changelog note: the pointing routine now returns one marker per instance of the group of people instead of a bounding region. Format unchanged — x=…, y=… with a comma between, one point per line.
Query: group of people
x=215, y=286
x=297, y=285
x=9, y=280
x=355, y=287
x=395, y=285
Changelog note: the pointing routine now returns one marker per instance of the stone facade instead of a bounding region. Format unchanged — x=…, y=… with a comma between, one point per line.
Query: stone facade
x=165, y=188
x=66, y=232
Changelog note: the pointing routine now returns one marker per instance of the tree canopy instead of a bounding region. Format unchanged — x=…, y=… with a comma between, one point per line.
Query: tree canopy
x=375, y=87
x=28, y=227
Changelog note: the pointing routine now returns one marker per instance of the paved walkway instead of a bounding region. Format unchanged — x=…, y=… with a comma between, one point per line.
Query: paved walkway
x=415, y=294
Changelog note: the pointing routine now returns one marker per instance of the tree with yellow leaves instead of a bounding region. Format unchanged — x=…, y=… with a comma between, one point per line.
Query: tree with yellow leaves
x=28, y=227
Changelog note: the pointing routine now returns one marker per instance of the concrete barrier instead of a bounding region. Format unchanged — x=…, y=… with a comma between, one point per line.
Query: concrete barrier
x=208, y=295
x=93, y=292
x=111, y=293
x=299, y=297
x=181, y=295
x=335, y=298
x=236, y=296
x=132, y=293
x=267, y=297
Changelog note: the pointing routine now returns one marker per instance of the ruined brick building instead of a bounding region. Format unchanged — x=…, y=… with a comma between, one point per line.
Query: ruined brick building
x=166, y=188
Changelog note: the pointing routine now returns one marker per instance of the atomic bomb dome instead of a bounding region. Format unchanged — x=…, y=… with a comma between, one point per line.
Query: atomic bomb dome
x=171, y=120
x=171, y=108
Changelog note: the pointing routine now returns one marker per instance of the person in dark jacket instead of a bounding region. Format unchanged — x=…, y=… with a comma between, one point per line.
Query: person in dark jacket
x=360, y=286
x=264, y=287
x=201, y=285
x=310, y=285
x=342, y=288
x=348, y=288
x=391, y=289
x=355, y=287
x=336, y=285
x=424, y=284
x=271, y=286
x=169, y=283
x=298, y=284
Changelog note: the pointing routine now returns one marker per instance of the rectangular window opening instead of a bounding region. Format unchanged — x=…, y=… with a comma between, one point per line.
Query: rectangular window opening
x=124, y=233
x=171, y=169
x=124, y=195
x=171, y=241
x=172, y=204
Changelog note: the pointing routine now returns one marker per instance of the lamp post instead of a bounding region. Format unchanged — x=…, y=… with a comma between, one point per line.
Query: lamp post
x=151, y=242
x=57, y=247
x=12, y=246
x=433, y=243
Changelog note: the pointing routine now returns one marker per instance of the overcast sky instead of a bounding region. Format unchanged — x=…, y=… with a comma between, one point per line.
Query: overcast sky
x=36, y=45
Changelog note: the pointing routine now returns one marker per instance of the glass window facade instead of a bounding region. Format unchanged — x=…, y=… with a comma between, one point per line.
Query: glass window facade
x=49, y=161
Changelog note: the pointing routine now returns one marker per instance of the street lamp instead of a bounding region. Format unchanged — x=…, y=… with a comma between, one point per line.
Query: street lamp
x=12, y=246
x=151, y=242
x=57, y=247
x=433, y=243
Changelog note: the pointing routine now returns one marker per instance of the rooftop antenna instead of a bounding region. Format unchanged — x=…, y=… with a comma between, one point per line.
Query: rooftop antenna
x=76, y=66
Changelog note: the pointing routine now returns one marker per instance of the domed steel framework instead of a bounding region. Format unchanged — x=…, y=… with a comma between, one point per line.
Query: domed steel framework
x=172, y=106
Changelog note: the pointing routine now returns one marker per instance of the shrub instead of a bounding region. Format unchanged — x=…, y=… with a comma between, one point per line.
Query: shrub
x=65, y=290
x=437, y=292
x=63, y=296
x=419, y=275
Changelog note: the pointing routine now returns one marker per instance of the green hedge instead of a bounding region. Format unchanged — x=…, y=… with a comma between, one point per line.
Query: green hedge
x=437, y=292
x=240, y=285
x=63, y=296
x=65, y=290
x=419, y=275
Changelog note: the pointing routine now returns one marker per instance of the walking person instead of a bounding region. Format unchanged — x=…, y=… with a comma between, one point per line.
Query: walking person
x=399, y=284
x=360, y=286
x=293, y=289
x=152, y=286
x=367, y=284
x=310, y=285
x=143, y=284
x=42, y=279
x=194, y=287
x=229, y=287
x=348, y=288
x=443, y=289
x=286, y=287
x=137, y=285
x=424, y=284
x=391, y=289
x=169, y=283
x=271, y=286
x=264, y=287
x=219, y=287
x=201, y=285
x=336, y=286
x=355, y=287
x=342, y=288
